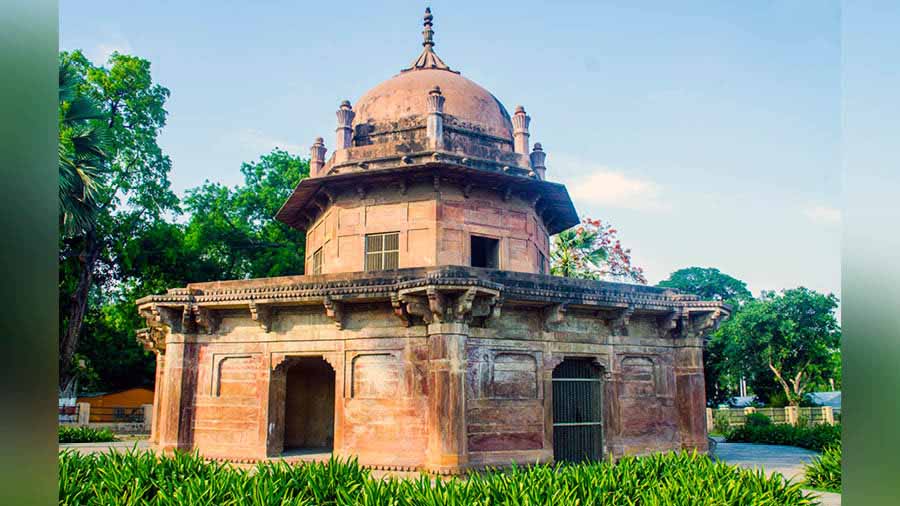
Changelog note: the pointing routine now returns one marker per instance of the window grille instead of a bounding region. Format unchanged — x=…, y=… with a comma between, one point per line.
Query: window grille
x=382, y=251
x=317, y=262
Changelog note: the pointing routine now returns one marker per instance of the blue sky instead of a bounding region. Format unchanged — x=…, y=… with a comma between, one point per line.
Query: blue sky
x=708, y=133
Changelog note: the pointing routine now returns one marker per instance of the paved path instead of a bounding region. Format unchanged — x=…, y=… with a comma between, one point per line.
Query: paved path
x=787, y=460
x=118, y=446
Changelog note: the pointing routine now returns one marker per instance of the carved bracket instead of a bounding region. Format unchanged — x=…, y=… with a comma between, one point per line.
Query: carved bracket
x=668, y=323
x=417, y=305
x=447, y=304
x=207, y=319
x=488, y=307
x=709, y=322
x=153, y=339
x=619, y=324
x=400, y=309
x=262, y=314
x=334, y=309
x=554, y=315
x=437, y=304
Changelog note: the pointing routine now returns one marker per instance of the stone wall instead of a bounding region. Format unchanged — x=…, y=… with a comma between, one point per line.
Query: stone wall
x=231, y=392
x=434, y=227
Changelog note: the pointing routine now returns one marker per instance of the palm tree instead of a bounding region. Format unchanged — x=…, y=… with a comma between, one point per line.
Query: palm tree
x=82, y=154
x=576, y=253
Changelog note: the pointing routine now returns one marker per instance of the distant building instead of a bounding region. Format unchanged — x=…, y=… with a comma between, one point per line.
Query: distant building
x=831, y=399
x=119, y=406
x=742, y=401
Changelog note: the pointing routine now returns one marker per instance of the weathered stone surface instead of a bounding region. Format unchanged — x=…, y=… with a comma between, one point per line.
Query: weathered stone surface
x=461, y=391
x=432, y=365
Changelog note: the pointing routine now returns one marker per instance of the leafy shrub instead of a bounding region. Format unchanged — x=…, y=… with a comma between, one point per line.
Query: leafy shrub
x=758, y=420
x=673, y=479
x=825, y=470
x=721, y=423
x=816, y=437
x=84, y=435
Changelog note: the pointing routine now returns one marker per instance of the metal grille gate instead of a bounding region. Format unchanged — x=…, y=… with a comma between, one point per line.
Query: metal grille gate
x=577, y=415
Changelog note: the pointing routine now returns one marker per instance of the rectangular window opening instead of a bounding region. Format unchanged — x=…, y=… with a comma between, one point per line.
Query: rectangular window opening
x=317, y=262
x=485, y=252
x=382, y=251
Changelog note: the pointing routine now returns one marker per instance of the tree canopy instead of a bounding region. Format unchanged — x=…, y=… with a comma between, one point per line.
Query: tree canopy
x=593, y=251
x=709, y=284
x=128, y=185
x=236, y=227
x=789, y=338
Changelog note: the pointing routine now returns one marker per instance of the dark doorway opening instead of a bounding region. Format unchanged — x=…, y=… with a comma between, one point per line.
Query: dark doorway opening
x=485, y=252
x=309, y=405
x=577, y=411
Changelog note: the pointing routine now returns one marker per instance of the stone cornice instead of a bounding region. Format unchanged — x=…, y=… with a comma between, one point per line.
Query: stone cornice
x=433, y=294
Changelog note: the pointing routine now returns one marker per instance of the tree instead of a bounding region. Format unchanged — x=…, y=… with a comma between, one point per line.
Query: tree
x=592, y=251
x=135, y=188
x=790, y=337
x=230, y=233
x=82, y=154
x=235, y=227
x=709, y=284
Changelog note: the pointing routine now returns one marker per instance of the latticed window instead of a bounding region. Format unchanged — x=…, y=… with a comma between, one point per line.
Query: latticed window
x=317, y=262
x=382, y=251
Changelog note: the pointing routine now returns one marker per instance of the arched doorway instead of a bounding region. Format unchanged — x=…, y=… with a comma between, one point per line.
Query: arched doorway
x=577, y=411
x=309, y=405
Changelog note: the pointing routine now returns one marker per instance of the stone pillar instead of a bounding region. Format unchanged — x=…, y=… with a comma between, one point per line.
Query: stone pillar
x=435, y=121
x=336, y=361
x=317, y=157
x=157, y=397
x=344, y=130
x=828, y=414
x=84, y=413
x=148, y=417
x=447, y=448
x=274, y=411
x=710, y=421
x=520, y=122
x=791, y=414
x=690, y=397
x=538, y=158
x=176, y=410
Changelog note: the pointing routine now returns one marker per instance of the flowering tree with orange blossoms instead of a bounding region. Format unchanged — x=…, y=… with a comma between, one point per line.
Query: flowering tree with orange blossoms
x=592, y=251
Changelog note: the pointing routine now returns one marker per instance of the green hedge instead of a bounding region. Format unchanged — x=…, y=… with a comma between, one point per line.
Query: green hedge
x=85, y=435
x=816, y=437
x=667, y=479
x=825, y=471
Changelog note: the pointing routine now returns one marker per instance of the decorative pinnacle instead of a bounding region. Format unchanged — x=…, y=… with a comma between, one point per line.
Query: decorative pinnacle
x=428, y=33
x=428, y=59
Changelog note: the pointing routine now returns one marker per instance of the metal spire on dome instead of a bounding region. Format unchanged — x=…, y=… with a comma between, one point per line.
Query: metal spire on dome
x=428, y=59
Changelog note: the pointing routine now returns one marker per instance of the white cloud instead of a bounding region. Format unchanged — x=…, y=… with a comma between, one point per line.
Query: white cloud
x=822, y=214
x=101, y=53
x=258, y=142
x=614, y=188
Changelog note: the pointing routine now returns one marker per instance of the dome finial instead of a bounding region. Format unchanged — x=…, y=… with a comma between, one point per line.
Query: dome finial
x=428, y=33
x=428, y=59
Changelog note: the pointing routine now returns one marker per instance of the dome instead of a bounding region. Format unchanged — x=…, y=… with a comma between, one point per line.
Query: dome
x=405, y=95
